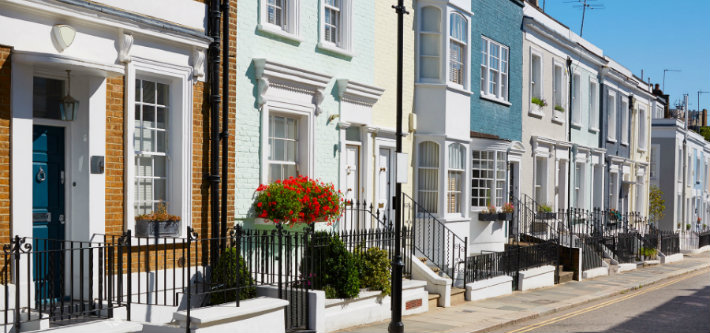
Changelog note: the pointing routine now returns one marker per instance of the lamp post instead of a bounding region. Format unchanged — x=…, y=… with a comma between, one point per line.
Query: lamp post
x=396, y=325
x=664, y=76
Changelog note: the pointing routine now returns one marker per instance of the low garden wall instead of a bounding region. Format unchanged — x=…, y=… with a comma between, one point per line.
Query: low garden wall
x=538, y=277
x=493, y=287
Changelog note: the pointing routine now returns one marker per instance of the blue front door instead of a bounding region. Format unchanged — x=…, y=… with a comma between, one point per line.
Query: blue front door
x=48, y=209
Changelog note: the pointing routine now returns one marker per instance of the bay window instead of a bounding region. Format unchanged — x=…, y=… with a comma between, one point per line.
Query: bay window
x=428, y=176
x=488, y=177
x=494, y=69
x=455, y=175
x=429, y=44
x=458, y=36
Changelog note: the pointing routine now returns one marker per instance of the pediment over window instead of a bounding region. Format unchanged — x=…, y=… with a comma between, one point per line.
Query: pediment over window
x=357, y=100
x=278, y=82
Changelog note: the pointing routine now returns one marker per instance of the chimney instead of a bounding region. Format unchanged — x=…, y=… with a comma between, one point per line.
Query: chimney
x=704, y=116
x=533, y=2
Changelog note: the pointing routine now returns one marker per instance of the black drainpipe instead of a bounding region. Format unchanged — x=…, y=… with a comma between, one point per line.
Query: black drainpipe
x=213, y=177
x=569, y=132
x=225, y=120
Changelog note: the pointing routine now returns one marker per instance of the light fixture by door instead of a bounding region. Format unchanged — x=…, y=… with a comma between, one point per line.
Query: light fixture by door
x=69, y=105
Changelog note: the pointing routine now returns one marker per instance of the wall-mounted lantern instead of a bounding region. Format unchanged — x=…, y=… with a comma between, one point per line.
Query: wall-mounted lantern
x=69, y=105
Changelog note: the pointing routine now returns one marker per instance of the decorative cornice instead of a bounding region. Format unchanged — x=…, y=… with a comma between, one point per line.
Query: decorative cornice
x=268, y=72
x=358, y=93
x=125, y=42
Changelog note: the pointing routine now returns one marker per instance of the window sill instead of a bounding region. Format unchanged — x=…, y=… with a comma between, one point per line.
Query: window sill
x=332, y=48
x=641, y=150
x=594, y=130
x=536, y=111
x=558, y=120
x=495, y=99
x=273, y=31
x=576, y=125
x=624, y=143
x=458, y=88
x=611, y=140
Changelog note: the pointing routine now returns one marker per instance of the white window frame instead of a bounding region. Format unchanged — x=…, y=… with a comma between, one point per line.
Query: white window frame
x=456, y=148
x=614, y=181
x=559, y=116
x=679, y=167
x=463, y=44
x=495, y=181
x=611, y=116
x=540, y=181
x=344, y=45
x=290, y=27
x=296, y=139
x=593, y=105
x=624, y=108
x=654, y=161
x=304, y=118
x=502, y=91
x=576, y=108
x=580, y=183
x=433, y=34
x=179, y=172
x=536, y=85
x=435, y=189
x=642, y=129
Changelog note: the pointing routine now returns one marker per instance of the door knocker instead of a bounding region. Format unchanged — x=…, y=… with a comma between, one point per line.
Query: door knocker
x=41, y=175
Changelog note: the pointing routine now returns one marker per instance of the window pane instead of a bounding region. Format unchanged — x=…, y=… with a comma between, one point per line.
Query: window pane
x=458, y=27
x=160, y=142
x=430, y=45
x=159, y=166
x=162, y=94
x=160, y=118
x=148, y=92
x=160, y=190
x=431, y=19
x=148, y=116
x=46, y=97
x=144, y=167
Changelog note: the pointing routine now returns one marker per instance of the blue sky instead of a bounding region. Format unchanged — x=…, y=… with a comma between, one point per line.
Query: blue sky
x=651, y=35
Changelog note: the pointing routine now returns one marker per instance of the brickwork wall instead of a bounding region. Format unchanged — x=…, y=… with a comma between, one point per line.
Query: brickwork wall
x=114, y=164
x=5, y=118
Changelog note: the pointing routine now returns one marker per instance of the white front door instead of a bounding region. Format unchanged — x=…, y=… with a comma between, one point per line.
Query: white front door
x=352, y=173
x=384, y=183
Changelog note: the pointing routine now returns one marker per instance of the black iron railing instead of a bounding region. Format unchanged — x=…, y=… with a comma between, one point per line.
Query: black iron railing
x=670, y=242
x=433, y=240
x=360, y=215
x=704, y=239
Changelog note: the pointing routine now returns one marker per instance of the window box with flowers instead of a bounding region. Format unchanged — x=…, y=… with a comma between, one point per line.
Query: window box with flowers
x=488, y=214
x=298, y=200
x=506, y=213
x=158, y=223
x=544, y=212
x=614, y=216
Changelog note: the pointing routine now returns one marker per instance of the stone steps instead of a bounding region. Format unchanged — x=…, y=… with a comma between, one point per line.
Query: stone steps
x=433, y=300
x=564, y=276
x=458, y=296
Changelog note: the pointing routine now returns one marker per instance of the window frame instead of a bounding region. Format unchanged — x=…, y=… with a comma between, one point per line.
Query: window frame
x=499, y=95
x=580, y=183
x=534, y=109
x=559, y=116
x=654, y=161
x=642, y=133
x=461, y=172
x=305, y=144
x=436, y=170
x=540, y=181
x=611, y=104
x=624, y=100
x=289, y=29
x=344, y=45
x=270, y=137
x=576, y=108
x=463, y=45
x=433, y=34
x=491, y=184
x=593, y=105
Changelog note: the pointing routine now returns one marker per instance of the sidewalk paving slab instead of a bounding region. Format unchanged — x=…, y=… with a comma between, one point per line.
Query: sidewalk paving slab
x=489, y=314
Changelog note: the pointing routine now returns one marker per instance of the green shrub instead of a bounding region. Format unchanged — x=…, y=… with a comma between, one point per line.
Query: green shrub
x=538, y=101
x=687, y=226
x=544, y=209
x=334, y=267
x=559, y=108
x=224, y=279
x=374, y=269
x=648, y=252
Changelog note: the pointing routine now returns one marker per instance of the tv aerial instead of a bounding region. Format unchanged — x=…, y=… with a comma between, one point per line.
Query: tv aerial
x=584, y=5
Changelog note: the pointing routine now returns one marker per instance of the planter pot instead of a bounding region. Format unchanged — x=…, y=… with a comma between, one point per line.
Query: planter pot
x=546, y=215
x=157, y=228
x=505, y=216
x=486, y=217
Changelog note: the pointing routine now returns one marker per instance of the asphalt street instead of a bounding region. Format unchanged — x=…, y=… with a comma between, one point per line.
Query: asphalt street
x=679, y=305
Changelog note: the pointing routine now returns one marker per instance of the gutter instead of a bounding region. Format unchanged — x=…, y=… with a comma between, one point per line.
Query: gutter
x=573, y=149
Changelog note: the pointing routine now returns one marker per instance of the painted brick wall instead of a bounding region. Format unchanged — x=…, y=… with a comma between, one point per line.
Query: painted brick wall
x=500, y=21
x=5, y=117
x=114, y=167
x=307, y=56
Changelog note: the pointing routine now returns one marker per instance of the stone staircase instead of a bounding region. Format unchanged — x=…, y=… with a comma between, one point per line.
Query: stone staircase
x=563, y=276
x=613, y=268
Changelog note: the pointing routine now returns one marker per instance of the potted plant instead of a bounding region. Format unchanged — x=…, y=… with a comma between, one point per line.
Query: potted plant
x=298, y=200
x=687, y=226
x=559, y=108
x=506, y=213
x=488, y=214
x=158, y=223
x=614, y=216
x=705, y=226
x=539, y=102
x=647, y=253
x=545, y=212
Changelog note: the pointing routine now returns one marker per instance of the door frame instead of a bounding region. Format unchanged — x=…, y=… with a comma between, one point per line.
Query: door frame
x=67, y=167
x=392, y=182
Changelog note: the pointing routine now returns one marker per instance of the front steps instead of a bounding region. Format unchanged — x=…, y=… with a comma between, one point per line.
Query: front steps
x=563, y=276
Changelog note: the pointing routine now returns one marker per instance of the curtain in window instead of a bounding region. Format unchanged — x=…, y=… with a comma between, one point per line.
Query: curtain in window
x=428, y=180
x=457, y=155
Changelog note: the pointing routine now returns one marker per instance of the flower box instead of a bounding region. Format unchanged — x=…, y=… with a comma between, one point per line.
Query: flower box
x=487, y=217
x=157, y=228
x=505, y=216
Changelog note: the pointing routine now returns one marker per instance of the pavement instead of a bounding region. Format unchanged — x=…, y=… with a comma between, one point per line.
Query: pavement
x=494, y=313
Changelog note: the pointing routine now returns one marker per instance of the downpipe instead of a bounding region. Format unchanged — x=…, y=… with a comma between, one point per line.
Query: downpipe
x=213, y=178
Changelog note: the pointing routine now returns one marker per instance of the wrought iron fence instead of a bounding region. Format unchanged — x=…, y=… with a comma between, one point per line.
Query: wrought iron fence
x=361, y=215
x=511, y=261
x=670, y=242
x=704, y=239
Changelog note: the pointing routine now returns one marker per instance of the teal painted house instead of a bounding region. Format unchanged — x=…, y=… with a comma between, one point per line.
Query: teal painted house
x=304, y=79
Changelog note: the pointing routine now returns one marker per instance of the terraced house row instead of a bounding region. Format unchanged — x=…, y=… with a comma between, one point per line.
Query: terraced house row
x=136, y=137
